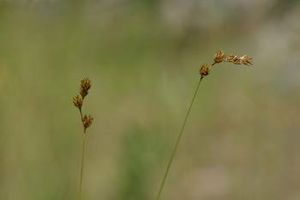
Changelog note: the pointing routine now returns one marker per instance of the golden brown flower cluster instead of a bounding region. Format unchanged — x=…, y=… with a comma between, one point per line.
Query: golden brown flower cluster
x=204, y=70
x=85, y=85
x=77, y=101
x=221, y=57
x=245, y=60
x=87, y=121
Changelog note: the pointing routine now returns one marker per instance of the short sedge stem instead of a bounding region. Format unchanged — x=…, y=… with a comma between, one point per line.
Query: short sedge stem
x=84, y=140
x=178, y=141
x=81, y=115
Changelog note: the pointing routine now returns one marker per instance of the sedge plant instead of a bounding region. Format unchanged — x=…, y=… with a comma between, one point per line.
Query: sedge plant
x=204, y=71
x=86, y=121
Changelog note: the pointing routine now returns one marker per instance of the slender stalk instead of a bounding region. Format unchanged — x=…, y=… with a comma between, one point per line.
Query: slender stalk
x=163, y=182
x=82, y=164
x=82, y=156
x=86, y=120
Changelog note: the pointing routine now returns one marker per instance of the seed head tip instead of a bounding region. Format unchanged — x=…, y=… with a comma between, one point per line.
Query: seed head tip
x=85, y=85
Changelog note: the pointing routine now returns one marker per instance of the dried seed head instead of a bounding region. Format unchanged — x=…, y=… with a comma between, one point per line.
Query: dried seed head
x=233, y=59
x=243, y=60
x=204, y=70
x=84, y=87
x=77, y=101
x=87, y=121
x=246, y=60
x=219, y=57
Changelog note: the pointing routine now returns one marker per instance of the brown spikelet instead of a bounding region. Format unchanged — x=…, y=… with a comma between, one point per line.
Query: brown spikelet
x=246, y=60
x=204, y=70
x=77, y=101
x=87, y=121
x=233, y=59
x=239, y=60
x=219, y=57
x=84, y=87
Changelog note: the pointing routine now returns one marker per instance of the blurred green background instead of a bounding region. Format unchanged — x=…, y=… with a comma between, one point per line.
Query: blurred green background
x=143, y=56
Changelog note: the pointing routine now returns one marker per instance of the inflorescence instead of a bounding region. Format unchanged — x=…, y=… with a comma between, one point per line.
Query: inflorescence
x=221, y=57
x=85, y=85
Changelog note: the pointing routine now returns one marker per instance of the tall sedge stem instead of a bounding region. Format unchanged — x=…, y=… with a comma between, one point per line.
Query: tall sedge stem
x=163, y=182
x=86, y=121
x=204, y=71
x=84, y=141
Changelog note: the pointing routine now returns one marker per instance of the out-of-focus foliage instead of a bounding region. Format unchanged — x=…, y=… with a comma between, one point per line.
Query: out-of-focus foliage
x=241, y=141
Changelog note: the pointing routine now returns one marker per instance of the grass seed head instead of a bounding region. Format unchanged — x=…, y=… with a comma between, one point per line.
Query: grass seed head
x=77, y=101
x=85, y=85
x=246, y=60
x=204, y=70
x=87, y=121
x=239, y=60
x=219, y=57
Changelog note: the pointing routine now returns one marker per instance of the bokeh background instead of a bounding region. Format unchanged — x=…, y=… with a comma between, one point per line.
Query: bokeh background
x=143, y=57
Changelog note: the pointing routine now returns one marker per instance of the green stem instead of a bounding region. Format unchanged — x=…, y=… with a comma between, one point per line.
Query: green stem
x=178, y=141
x=82, y=164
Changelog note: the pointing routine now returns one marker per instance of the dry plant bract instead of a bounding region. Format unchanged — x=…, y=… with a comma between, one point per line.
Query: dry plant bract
x=86, y=121
x=204, y=71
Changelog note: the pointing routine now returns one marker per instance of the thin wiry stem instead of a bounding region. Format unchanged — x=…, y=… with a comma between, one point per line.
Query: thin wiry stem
x=86, y=120
x=82, y=164
x=178, y=141
x=82, y=156
x=81, y=117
